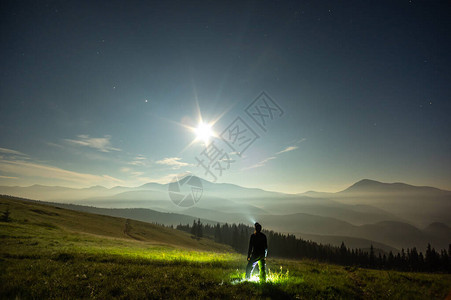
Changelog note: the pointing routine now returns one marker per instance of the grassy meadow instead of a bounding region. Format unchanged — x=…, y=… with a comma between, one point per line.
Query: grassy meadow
x=53, y=253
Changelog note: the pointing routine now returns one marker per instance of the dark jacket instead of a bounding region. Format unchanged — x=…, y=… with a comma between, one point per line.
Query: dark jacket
x=258, y=245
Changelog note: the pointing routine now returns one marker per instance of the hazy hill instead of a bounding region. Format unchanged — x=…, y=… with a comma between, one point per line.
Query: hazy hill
x=367, y=186
x=56, y=193
x=390, y=233
x=419, y=205
x=399, y=235
x=140, y=214
x=350, y=242
x=437, y=229
x=159, y=200
x=356, y=214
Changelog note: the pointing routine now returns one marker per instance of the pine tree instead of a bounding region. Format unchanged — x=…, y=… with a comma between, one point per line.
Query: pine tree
x=218, y=235
x=243, y=240
x=421, y=262
x=235, y=237
x=413, y=260
x=343, y=253
x=194, y=228
x=199, y=229
x=391, y=260
x=428, y=258
x=372, y=256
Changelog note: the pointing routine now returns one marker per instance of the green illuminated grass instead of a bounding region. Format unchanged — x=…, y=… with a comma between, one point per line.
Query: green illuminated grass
x=55, y=253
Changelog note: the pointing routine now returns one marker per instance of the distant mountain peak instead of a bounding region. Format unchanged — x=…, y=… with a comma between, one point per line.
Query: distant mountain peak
x=150, y=184
x=365, y=185
x=368, y=182
x=438, y=225
x=438, y=229
x=373, y=186
x=96, y=187
x=180, y=178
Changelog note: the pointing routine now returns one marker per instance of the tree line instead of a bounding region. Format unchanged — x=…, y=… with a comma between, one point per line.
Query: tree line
x=288, y=246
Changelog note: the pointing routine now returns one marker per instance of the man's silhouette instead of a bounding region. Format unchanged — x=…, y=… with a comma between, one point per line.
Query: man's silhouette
x=258, y=248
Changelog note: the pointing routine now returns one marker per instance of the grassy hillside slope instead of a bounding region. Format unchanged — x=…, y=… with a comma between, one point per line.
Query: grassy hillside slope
x=31, y=214
x=49, y=252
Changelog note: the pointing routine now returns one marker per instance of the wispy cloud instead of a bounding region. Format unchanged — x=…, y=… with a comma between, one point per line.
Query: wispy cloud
x=113, y=179
x=261, y=163
x=102, y=144
x=266, y=160
x=174, y=162
x=168, y=178
x=8, y=177
x=36, y=170
x=288, y=149
x=55, y=145
x=301, y=140
x=135, y=177
x=139, y=160
x=137, y=173
x=292, y=147
x=12, y=152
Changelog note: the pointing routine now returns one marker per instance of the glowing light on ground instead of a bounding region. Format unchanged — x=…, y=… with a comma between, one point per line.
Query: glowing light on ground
x=271, y=277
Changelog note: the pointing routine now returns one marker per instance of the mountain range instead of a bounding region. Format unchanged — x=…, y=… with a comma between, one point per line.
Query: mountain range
x=390, y=215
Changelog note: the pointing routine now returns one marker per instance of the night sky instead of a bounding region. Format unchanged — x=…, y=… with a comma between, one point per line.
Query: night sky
x=104, y=92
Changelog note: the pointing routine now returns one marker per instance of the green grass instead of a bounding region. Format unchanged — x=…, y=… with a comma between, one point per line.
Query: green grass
x=55, y=253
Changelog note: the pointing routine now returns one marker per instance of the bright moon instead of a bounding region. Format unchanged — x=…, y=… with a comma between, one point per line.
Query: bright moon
x=204, y=132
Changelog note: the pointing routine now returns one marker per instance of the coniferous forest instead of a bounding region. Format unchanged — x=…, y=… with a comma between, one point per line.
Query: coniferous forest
x=288, y=246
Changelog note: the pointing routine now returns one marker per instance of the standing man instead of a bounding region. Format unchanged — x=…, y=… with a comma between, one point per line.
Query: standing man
x=258, y=248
